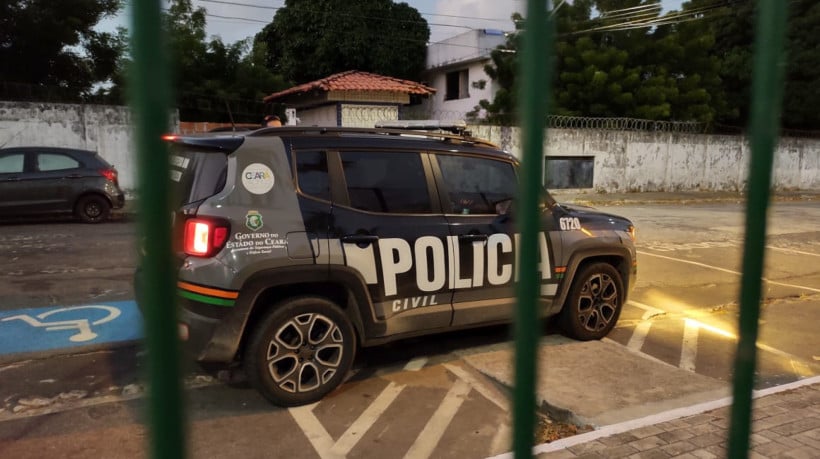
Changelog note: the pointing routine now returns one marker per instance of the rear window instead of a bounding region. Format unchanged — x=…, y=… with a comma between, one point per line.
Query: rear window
x=196, y=175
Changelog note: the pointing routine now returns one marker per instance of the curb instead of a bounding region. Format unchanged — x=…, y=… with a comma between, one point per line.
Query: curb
x=671, y=415
x=17, y=357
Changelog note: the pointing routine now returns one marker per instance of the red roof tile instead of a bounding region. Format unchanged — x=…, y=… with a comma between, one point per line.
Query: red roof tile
x=354, y=80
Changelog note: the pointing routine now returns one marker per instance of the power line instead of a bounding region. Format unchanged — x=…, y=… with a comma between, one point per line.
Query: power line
x=274, y=8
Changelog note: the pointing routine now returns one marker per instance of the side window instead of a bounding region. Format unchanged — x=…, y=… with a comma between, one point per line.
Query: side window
x=386, y=182
x=55, y=162
x=476, y=185
x=12, y=163
x=311, y=174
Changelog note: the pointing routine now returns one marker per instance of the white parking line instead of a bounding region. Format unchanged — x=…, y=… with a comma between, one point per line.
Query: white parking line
x=416, y=364
x=314, y=431
x=690, y=338
x=321, y=440
x=429, y=437
x=482, y=389
x=360, y=426
x=639, y=336
x=797, y=252
x=650, y=311
x=704, y=265
x=689, y=347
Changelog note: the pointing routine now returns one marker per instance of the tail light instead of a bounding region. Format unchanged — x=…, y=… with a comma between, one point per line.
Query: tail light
x=204, y=238
x=110, y=174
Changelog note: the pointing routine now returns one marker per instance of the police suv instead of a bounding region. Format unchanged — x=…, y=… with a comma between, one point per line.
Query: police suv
x=297, y=245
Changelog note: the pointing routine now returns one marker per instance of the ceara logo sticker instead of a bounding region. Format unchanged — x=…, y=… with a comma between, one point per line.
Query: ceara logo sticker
x=257, y=178
x=253, y=220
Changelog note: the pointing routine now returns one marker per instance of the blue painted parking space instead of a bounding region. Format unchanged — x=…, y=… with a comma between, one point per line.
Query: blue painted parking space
x=62, y=327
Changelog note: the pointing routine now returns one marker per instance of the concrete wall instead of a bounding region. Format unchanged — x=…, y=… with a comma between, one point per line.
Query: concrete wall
x=623, y=161
x=105, y=129
x=656, y=161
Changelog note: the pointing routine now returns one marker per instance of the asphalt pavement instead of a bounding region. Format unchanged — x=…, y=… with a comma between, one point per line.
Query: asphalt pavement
x=625, y=404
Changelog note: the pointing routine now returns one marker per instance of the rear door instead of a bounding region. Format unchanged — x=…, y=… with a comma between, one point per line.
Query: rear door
x=393, y=233
x=56, y=179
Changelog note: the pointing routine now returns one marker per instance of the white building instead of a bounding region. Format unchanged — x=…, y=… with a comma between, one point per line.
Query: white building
x=455, y=67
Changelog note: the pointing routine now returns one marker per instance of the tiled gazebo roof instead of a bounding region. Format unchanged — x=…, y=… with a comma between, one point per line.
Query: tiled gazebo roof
x=355, y=80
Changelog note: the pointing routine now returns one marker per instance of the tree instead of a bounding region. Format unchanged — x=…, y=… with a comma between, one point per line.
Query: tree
x=801, y=97
x=616, y=65
x=210, y=76
x=312, y=39
x=46, y=43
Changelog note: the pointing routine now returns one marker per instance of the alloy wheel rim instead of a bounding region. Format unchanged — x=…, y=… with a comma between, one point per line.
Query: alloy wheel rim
x=305, y=353
x=93, y=210
x=598, y=302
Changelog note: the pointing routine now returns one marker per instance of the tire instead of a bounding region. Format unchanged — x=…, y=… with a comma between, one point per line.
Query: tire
x=92, y=209
x=289, y=366
x=594, y=303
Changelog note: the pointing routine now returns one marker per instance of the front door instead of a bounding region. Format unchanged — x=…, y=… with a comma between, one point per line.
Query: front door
x=393, y=233
x=477, y=196
x=13, y=196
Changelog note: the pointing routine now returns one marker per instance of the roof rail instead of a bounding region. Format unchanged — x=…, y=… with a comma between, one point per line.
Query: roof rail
x=456, y=127
x=464, y=138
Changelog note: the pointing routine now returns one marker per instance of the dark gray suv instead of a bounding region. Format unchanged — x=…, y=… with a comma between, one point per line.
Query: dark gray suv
x=51, y=180
x=299, y=245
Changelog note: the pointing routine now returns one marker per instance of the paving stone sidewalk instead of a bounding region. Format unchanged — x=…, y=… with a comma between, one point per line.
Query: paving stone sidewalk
x=785, y=425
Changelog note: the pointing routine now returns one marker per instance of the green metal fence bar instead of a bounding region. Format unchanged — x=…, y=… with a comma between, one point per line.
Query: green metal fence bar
x=150, y=96
x=767, y=90
x=535, y=71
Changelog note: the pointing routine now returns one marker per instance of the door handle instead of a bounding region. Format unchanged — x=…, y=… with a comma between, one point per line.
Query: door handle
x=472, y=237
x=361, y=240
x=74, y=176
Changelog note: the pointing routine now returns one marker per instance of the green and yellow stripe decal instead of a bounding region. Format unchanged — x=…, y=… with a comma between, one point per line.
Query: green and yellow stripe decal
x=207, y=295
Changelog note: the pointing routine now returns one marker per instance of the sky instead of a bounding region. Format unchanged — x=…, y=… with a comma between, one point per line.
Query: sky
x=446, y=18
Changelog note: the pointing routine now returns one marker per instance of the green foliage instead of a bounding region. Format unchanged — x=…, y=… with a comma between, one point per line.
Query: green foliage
x=209, y=76
x=802, y=97
x=695, y=67
x=312, y=39
x=47, y=43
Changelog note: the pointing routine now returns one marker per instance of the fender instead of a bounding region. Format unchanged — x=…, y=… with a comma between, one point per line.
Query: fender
x=578, y=257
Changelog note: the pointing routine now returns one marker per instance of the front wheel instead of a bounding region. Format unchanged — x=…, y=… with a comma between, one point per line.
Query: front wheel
x=594, y=302
x=300, y=351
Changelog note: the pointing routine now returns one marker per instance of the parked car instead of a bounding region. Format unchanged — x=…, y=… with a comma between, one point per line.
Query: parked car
x=53, y=180
x=298, y=245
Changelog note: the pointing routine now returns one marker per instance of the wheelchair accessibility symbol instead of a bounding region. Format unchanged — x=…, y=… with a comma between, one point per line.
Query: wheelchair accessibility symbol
x=82, y=326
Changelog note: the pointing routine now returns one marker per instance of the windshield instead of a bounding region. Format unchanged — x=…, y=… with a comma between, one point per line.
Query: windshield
x=196, y=174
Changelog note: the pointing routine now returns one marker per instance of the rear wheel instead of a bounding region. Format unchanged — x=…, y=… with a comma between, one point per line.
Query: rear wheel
x=300, y=351
x=92, y=209
x=594, y=302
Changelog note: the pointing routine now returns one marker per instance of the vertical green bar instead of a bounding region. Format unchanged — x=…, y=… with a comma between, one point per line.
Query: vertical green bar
x=767, y=90
x=536, y=80
x=150, y=96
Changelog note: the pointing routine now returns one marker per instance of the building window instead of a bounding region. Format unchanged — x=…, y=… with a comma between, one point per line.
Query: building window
x=568, y=171
x=458, y=84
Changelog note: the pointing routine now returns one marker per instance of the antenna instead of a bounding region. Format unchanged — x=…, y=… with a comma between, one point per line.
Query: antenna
x=230, y=115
